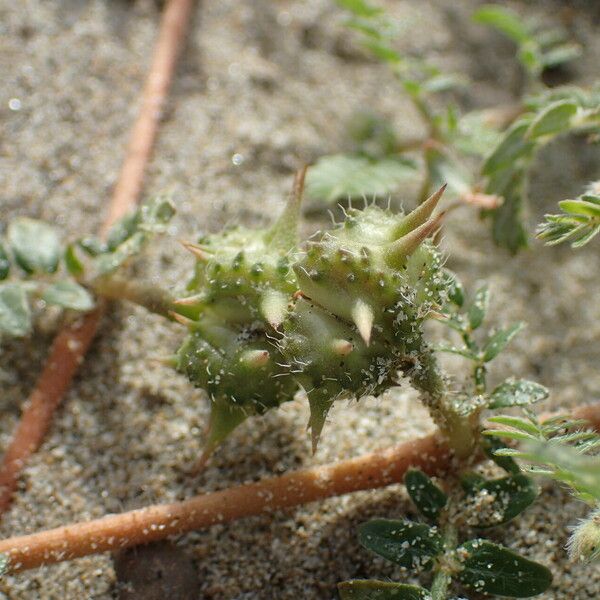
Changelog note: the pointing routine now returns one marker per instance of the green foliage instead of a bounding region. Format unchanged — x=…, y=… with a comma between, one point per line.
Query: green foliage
x=410, y=545
x=509, y=496
x=34, y=244
x=567, y=451
x=578, y=223
x=504, y=142
x=15, y=314
x=517, y=392
x=342, y=176
x=476, y=564
x=362, y=589
x=537, y=49
x=481, y=350
x=427, y=497
x=492, y=569
x=36, y=265
x=507, y=167
x=558, y=447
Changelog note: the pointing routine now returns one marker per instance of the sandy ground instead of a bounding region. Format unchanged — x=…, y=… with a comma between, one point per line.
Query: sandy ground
x=274, y=83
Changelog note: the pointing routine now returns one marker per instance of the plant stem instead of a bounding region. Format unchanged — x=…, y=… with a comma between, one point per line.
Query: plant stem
x=152, y=298
x=70, y=345
x=371, y=471
x=461, y=431
x=440, y=585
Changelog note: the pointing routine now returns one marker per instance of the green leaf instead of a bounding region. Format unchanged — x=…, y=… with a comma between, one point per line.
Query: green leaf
x=368, y=589
x=513, y=146
x=456, y=291
x=511, y=496
x=155, y=215
x=72, y=262
x=499, y=341
x=464, y=351
x=35, y=245
x=428, y=497
x=492, y=446
x=555, y=119
x=504, y=20
x=508, y=228
x=343, y=176
x=111, y=261
x=479, y=307
x=15, y=314
x=517, y=423
x=517, y=392
x=360, y=8
x=4, y=263
x=561, y=54
x=493, y=569
x=122, y=230
x=405, y=543
x=580, y=207
x=92, y=246
x=68, y=294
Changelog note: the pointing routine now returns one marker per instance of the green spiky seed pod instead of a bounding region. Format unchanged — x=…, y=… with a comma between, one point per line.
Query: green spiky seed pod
x=369, y=284
x=338, y=317
x=236, y=301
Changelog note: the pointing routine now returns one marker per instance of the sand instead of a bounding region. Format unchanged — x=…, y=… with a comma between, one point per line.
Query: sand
x=273, y=83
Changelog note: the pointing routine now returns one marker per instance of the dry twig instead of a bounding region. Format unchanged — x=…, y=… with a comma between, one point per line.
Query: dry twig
x=72, y=342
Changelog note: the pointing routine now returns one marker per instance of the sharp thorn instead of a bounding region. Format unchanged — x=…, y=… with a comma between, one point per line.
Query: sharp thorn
x=181, y=319
x=398, y=251
x=188, y=301
x=342, y=347
x=198, y=252
x=419, y=215
x=362, y=315
x=255, y=358
x=298, y=187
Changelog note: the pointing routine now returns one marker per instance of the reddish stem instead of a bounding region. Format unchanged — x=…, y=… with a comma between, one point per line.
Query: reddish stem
x=375, y=470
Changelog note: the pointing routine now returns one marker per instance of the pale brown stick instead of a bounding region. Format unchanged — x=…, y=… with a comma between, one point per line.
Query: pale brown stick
x=153, y=523
x=70, y=345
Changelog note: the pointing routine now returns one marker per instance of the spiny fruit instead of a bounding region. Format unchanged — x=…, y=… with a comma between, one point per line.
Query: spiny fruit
x=367, y=286
x=337, y=317
x=236, y=302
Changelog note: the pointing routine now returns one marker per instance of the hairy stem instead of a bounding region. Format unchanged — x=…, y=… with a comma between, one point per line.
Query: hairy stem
x=152, y=298
x=461, y=431
x=440, y=585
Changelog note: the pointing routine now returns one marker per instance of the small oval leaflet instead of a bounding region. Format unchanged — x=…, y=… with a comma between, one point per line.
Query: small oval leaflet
x=407, y=544
x=493, y=569
x=368, y=589
x=34, y=244
x=511, y=496
x=68, y=294
x=517, y=392
x=427, y=496
x=15, y=314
